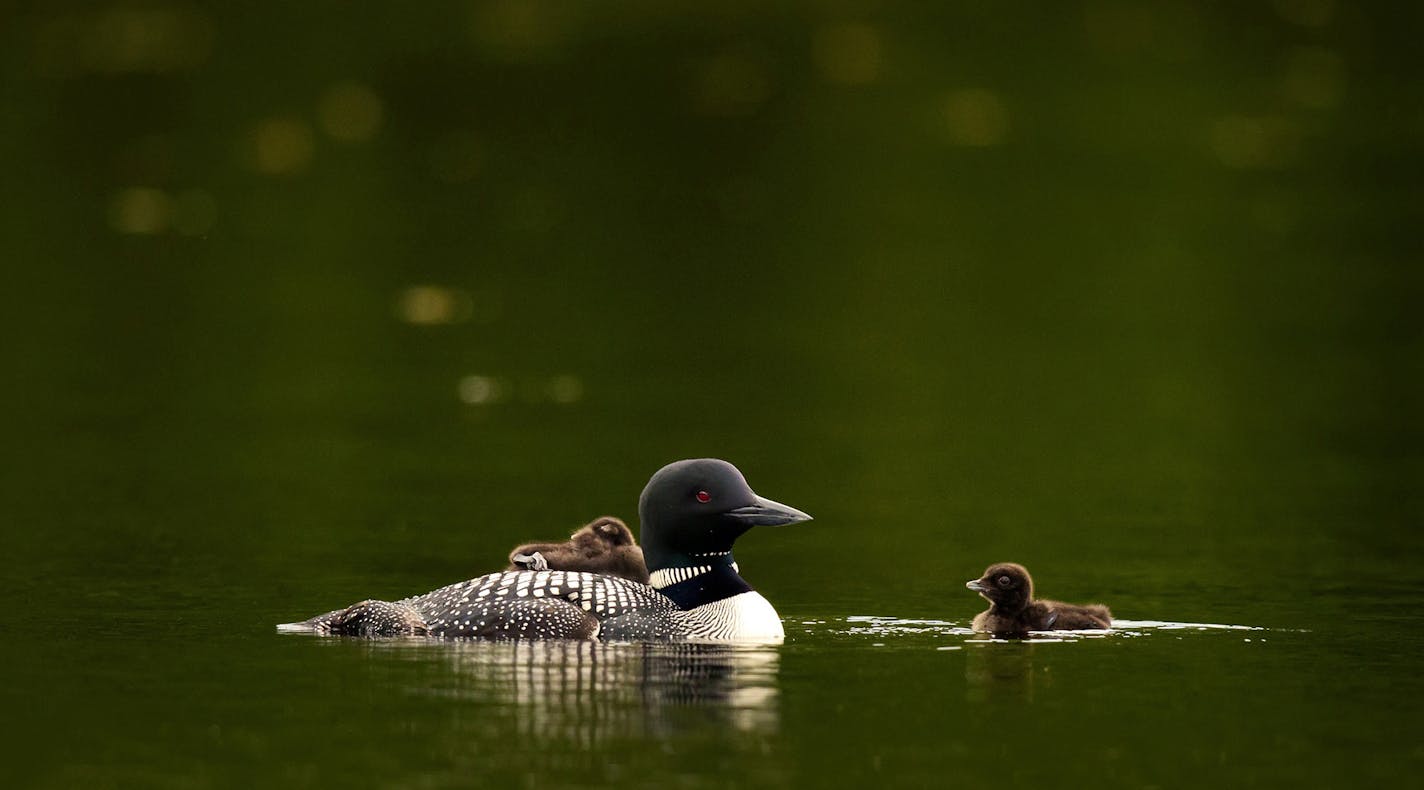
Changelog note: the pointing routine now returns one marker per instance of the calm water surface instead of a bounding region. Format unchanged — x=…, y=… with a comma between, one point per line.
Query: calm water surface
x=302, y=308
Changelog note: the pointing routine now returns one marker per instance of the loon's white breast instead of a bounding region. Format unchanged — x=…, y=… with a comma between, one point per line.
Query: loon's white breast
x=745, y=617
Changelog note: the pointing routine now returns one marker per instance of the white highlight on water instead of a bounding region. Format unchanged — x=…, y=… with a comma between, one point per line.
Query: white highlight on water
x=881, y=626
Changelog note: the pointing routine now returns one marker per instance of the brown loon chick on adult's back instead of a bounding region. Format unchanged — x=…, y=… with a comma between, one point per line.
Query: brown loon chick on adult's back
x=1014, y=611
x=604, y=545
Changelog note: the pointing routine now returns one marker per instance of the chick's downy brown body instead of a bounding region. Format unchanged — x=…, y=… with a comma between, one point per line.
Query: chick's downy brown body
x=1013, y=610
x=604, y=545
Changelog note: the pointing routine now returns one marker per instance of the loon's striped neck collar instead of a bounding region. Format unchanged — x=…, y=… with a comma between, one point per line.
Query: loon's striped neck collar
x=706, y=577
x=695, y=565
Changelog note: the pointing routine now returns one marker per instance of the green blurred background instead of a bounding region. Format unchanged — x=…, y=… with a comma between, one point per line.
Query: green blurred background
x=309, y=302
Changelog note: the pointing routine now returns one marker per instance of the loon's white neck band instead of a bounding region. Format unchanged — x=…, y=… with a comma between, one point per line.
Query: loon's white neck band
x=666, y=577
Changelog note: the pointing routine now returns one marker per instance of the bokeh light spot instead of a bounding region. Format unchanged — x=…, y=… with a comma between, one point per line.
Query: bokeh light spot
x=975, y=117
x=152, y=40
x=140, y=211
x=1255, y=143
x=518, y=31
x=565, y=389
x=431, y=305
x=849, y=54
x=350, y=112
x=282, y=146
x=481, y=390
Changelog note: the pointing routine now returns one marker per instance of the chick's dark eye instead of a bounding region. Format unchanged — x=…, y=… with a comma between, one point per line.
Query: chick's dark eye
x=1005, y=581
x=704, y=497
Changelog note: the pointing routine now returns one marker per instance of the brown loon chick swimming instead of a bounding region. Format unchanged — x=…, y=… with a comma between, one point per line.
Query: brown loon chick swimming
x=604, y=545
x=1014, y=611
x=691, y=512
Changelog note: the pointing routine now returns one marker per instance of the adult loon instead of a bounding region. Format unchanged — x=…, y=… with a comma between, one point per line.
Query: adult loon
x=1014, y=611
x=691, y=513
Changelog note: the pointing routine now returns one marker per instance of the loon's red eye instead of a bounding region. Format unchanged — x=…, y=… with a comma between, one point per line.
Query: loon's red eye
x=704, y=497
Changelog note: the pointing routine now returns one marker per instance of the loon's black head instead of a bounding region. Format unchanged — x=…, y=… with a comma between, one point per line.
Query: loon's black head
x=699, y=507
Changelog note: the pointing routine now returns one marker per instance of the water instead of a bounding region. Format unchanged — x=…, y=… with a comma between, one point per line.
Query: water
x=301, y=309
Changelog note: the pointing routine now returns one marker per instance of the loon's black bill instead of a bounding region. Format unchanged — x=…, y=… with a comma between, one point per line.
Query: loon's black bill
x=975, y=585
x=767, y=513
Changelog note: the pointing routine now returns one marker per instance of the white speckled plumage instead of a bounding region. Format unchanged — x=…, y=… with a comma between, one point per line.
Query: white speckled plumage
x=585, y=606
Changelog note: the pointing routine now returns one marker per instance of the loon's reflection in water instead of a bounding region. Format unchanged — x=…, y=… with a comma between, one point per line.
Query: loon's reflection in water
x=587, y=693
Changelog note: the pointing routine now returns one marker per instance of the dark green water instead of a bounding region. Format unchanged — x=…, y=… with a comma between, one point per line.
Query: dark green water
x=303, y=306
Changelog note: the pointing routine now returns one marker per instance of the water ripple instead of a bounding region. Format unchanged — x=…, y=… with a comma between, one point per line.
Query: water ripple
x=890, y=627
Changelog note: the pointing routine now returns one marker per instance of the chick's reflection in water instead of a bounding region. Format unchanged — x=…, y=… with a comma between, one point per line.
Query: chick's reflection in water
x=1000, y=672
x=588, y=693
